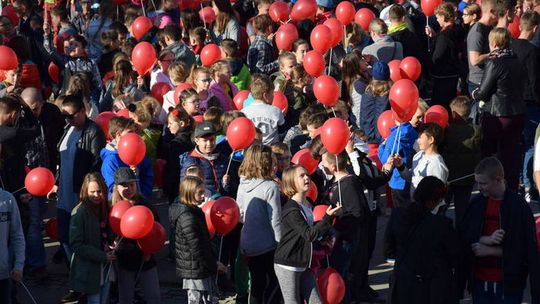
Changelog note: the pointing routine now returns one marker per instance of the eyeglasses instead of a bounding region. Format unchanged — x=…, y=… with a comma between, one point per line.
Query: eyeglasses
x=196, y=101
x=206, y=80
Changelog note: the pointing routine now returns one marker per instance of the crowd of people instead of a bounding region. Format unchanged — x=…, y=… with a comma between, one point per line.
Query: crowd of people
x=480, y=64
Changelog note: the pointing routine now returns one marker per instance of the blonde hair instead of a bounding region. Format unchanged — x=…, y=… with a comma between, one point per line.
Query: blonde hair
x=177, y=72
x=197, y=70
x=188, y=187
x=461, y=105
x=260, y=85
x=379, y=87
x=422, y=105
x=146, y=109
x=257, y=163
x=500, y=37
x=288, y=180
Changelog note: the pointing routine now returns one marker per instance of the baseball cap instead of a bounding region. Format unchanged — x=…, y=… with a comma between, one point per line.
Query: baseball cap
x=326, y=3
x=124, y=175
x=380, y=71
x=203, y=129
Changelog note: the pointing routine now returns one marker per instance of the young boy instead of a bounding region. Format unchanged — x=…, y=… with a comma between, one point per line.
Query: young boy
x=119, y=126
x=172, y=38
x=497, y=240
x=261, y=57
x=461, y=153
x=265, y=116
x=240, y=75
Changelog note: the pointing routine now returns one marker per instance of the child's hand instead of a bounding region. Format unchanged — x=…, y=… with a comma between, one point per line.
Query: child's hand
x=333, y=211
x=221, y=269
x=397, y=161
x=226, y=180
x=429, y=31
x=140, y=82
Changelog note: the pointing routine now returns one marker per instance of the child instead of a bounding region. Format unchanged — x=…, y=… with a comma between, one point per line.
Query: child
x=189, y=101
x=262, y=7
x=261, y=57
x=287, y=61
x=197, y=38
x=119, y=126
x=195, y=261
x=221, y=85
x=428, y=161
x=161, y=71
x=300, y=48
x=213, y=115
x=461, y=153
x=178, y=74
x=172, y=37
x=264, y=115
x=201, y=78
x=313, y=123
x=471, y=14
x=240, y=72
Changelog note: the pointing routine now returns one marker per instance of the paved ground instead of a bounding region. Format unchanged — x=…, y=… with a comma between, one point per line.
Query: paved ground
x=50, y=289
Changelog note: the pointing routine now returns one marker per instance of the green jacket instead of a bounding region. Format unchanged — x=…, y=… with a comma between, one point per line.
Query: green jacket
x=88, y=257
x=243, y=79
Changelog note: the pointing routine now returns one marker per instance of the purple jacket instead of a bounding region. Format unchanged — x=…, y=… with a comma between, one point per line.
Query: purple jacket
x=218, y=91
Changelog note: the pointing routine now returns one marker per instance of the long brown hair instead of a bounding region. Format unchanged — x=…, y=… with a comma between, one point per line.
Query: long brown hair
x=351, y=71
x=123, y=73
x=103, y=209
x=225, y=15
x=258, y=163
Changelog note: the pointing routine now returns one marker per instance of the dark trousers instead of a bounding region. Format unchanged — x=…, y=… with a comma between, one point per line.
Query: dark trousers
x=5, y=291
x=360, y=262
x=444, y=90
x=460, y=196
x=493, y=293
x=264, y=283
x=501, y=137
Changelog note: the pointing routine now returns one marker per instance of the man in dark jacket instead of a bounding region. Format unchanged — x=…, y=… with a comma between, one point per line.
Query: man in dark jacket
x=497, y=240
x=79, y=150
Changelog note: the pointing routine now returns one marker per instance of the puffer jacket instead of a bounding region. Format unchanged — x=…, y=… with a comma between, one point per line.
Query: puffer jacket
x=502, y=86
x=194, y=255
x=370, y=110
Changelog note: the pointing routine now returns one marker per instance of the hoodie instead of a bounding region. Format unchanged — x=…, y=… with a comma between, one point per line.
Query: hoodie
x=11, y=236
x=112, y=161
x=260, y=211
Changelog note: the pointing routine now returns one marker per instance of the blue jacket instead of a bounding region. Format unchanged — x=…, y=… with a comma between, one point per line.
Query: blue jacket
x=370, y=110
x=407, y=137
x=112, y=161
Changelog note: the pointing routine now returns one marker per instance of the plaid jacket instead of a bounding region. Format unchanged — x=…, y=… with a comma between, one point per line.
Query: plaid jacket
x=261, y=57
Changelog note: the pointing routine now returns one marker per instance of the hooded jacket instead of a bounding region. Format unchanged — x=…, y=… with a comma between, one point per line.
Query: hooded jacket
x=182, y=53
x=11, y=236
x=260, y=211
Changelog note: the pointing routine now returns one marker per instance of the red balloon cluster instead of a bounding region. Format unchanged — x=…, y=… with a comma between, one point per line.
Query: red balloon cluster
x=335, y=135
x=280, y=101
x=345, y=12
x=321, y=38
x=331, y=286
x=429, y=6
x=159, y=89
x=314, y=63
x=117, y=211
x=385, y=122
x=136, y=222
x=103, y=121
x=143, y=57
x=210, y=54
x=224, y=215
x=239, y=99
x=304, y=9
x=9, y=58
x=207, y=15
x=279, y=11
x=326, y=90
x=285, y=36
x=51, y=229
x=363, y=17
x=306, y=160
x=179, y=88
x=408, y=68
x=240, y=133
x=39, y=181
x=131, y=149
x=140, y=26
x=154, y=240
x=336, y=30
x=403, y=99
x=313, y=192
x=437, y=114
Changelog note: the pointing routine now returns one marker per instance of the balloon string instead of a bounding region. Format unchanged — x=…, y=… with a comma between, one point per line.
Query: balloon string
x=398, y=133
x=398, y=141
x=460, y=178
x=203, y=21
x=338, y=183
x=229, y=165
x=18, y=190
x=330, y=63
x=117, y=243
x=28, y=292
x=327, y=261
x=333, y=111
x=117, y=12
x=154, y=5
x=143, y=10
x=427, y=24
x=219, y=254
x=139, y=271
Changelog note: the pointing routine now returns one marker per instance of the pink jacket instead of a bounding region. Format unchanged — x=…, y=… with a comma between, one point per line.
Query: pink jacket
x=217, y=90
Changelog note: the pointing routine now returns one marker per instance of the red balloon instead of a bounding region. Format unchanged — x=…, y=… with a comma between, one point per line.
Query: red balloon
x=395, y=71
x=140, y=26
x=198, y=118
x=143, y=57
x=286, y=35
x=193, y=4
x=404, y=99
x=54, y=72
x=225, y=215
x=335, y=135
x=312, y=193
x=131, y=149
x=326, y=90
x=385, y=122
x=280, y=101
x=410, y=68
x=437, y=114
x=207, y=15
x=514, y=27
x=207, y=208
x=51, y=229
x=345, y=12
x=239, y=99
x=279, y=11
x=116, y=215
x=159, y=89
x=429, y=6
x=306, y=160
x=331, y=286
x=179, y=88
x=39, y=181
x=123, y=113
x=336, y=29
x=363, y=17
x=9, y=58
x=314, y=63
x=120, y=2
x=210, y=54
x=304, y=9
x=153, y=241
x=320, y=38
x=136, y=222
x=103, y=121
x=318, y=212
x=9, y=12
x=240, y=133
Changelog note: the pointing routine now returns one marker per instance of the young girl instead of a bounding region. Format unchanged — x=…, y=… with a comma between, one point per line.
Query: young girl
x=195, y=262
x=122, y=83
x=293, y=254
x=225, y=26
x=88, y=239
x=221, y=86
x=190, y=102
x=200, y=79
x=145, y=111
x=133, y=264
x=355, y=81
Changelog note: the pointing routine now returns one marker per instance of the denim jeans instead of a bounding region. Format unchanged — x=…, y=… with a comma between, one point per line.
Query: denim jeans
x=493, y=293
x=533, y=118
x=101, y=297
x=35, y=250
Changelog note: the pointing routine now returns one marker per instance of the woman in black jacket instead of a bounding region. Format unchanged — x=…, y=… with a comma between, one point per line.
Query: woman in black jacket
x=293, y=255
x=444, y=56
x=425, y=247
x=195, y=262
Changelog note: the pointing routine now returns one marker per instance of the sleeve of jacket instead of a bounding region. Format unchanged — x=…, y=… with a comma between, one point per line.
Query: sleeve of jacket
x=185, y=162
x=16, y=236
x=146, y=177
x=77, y=241
x=488, y=85
x=296, y=220
x=108, y=168
x=52, y=52
x=274, y=211
x=439, y=49
x=98, y=142
x=185, y=225
x=366, y=116
x=533, y=255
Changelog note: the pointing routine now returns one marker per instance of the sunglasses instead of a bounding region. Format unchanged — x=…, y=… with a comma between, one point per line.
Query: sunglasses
x=68, y=116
